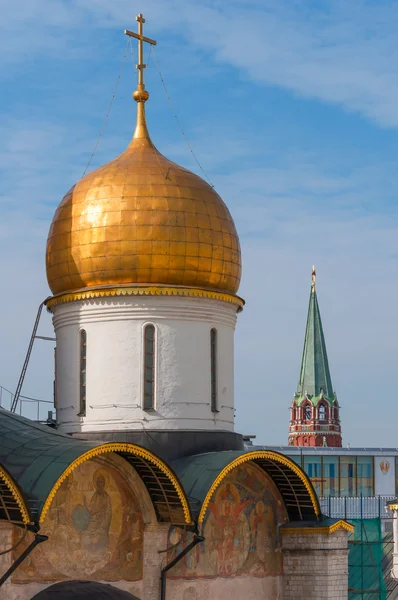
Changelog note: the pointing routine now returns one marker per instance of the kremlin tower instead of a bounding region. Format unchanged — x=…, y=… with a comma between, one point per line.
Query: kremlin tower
x=314, y=417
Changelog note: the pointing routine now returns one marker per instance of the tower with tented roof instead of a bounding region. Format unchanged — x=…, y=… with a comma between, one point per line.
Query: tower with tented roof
x=314, y=419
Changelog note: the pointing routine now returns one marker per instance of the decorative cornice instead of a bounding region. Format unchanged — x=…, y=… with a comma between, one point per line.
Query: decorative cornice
x=304, y=432
x=299, y=399
x=153, y=290
x=127, y=448
x=323, y=530
x=16, y=494
x=253, y=456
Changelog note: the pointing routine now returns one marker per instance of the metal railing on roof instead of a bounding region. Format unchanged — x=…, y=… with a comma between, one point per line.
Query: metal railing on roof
x=27, y=406
x=356, y=507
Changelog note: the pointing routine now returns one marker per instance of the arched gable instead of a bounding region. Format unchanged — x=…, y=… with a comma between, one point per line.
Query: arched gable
x=202, y=474
x=165, y=490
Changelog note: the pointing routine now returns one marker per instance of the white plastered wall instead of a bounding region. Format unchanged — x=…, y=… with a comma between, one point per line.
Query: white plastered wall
x=114, y=368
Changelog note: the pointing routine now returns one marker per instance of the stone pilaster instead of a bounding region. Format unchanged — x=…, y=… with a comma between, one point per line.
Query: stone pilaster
x=315, y=565
x=6, y=541
x=155, y=541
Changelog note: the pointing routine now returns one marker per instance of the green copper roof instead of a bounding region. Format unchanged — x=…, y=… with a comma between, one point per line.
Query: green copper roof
x=314, y=374
x=35, y=456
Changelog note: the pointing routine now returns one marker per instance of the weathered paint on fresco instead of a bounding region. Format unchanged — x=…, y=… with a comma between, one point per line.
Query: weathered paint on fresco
x=241, y=530
x=95, y=531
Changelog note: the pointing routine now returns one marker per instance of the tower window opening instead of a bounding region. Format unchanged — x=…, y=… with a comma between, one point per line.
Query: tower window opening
x=149, y=367
x=83, y=372
x=307, y=412
x=213, y=370
x=322, y=412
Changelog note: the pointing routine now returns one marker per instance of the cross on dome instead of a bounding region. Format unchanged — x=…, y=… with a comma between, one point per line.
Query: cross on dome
x=141, y=38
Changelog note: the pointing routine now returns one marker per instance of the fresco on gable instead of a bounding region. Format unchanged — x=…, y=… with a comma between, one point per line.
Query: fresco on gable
x=95, y=531
x=241, y=530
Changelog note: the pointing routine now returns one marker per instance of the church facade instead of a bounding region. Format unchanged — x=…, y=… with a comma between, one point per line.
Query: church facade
x=143, y=488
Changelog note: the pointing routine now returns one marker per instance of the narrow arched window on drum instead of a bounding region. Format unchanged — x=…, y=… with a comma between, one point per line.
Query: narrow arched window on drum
x=149, y=368
x=83, y=373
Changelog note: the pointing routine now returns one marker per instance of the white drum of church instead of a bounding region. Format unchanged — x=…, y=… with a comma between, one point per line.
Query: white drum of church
x=137, y=362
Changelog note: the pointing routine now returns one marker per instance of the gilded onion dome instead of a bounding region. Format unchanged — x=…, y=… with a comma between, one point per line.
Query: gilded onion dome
x=141, y=219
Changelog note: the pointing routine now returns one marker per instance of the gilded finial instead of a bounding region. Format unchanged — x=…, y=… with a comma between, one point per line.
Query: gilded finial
x=313, y=277
x=140, y=95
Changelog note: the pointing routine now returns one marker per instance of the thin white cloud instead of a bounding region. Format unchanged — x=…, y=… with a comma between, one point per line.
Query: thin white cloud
x=337, y=52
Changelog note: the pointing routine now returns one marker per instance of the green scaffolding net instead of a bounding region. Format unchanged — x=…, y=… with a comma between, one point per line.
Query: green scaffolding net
x=368, y=556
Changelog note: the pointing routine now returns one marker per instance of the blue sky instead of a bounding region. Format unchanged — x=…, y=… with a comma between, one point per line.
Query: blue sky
x=291, y=108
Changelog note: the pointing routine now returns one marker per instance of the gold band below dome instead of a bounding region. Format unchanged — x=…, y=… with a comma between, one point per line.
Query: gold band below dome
x=144, y=291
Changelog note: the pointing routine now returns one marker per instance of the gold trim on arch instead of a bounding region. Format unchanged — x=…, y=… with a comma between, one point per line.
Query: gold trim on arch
x=328, y=529
x=152, y=290
x=16, y=494
x=254, y=455
x=129, y=449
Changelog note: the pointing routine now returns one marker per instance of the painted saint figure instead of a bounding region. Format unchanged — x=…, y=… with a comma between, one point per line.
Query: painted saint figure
x=96, y=537
x=230, y=535
x=261, y=525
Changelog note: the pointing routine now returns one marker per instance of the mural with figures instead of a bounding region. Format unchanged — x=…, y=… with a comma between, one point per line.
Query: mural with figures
x=241, y=530
x=95, y=531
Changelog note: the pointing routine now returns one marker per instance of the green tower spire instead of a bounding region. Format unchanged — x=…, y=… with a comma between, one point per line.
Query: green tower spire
x=315, y=380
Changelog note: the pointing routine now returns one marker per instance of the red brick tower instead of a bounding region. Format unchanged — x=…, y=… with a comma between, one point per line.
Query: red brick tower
x=314, y=419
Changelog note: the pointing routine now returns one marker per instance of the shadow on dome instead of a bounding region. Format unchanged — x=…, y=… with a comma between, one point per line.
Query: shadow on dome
x=83, y=590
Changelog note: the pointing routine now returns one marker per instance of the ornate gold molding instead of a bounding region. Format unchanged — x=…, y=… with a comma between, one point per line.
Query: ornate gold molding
x=130, y=449
x=325, y=530
x=253, y=456
x=16, y=494
x=152, y=290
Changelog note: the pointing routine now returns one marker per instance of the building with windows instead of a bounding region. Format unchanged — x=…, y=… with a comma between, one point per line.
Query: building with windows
x=348, y=472
x=143, y=484
x=314, y=412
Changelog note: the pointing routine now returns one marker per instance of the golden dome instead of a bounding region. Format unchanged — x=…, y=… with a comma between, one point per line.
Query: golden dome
x=142, y=219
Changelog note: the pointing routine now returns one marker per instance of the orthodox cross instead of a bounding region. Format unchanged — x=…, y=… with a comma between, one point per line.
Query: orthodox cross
x=140, y=37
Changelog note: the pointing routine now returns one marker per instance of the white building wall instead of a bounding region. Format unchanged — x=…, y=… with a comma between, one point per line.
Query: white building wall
x=114, y=370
